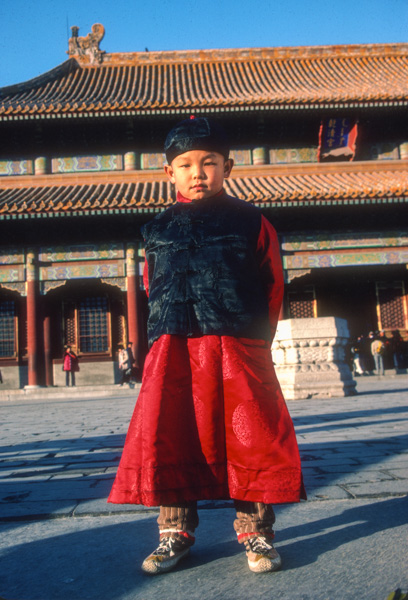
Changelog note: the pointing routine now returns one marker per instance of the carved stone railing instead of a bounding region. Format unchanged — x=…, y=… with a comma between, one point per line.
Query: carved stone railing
x=309, y=356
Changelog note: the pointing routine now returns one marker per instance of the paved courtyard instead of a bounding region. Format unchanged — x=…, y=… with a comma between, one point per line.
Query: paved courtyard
x=61, y=540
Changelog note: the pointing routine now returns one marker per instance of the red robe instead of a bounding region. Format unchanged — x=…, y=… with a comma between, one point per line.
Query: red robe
x=210, y=421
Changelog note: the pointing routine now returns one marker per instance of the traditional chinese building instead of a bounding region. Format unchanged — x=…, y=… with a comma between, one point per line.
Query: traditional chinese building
x=320, y=142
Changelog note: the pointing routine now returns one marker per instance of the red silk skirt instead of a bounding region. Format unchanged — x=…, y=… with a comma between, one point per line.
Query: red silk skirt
x=210, y=422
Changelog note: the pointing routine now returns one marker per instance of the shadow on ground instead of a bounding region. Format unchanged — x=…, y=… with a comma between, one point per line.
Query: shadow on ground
x=103, y=561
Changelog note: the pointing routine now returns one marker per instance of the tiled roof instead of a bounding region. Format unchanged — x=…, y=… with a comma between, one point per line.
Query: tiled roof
x=221, y=80
x=267, y=187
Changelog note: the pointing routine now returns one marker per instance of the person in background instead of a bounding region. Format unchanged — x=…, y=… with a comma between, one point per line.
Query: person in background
x=367, y=359
x=377, y=351
x=70, y=365
x=356, y=352
x=124, y=365
x=397, y=348
x=131, y=359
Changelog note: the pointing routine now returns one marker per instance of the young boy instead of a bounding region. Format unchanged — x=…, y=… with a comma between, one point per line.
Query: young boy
x=210, y=421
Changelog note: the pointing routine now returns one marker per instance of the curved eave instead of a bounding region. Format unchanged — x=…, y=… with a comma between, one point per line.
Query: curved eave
x=153, y=210
x=309, y=107
x=166, y=83
x=56, y=73
x=270, y=186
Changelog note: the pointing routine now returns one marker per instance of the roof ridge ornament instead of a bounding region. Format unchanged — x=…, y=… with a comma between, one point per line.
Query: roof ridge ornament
x=87, y=48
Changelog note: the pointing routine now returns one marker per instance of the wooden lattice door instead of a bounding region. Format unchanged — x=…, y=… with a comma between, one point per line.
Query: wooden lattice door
x=301, y=304
x=391, y=309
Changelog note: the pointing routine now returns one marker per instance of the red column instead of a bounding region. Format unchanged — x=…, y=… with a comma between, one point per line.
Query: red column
x=133, y=309
x=32, y=333
x=49, y=378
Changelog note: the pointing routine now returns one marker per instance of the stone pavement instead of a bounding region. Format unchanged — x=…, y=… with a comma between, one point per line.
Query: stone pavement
x=60, y=540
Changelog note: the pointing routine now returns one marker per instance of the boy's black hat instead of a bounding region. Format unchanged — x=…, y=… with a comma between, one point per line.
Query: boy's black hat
x=196, y=134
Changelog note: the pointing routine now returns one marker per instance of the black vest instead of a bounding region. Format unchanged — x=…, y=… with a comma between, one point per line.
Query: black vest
x=204, y=277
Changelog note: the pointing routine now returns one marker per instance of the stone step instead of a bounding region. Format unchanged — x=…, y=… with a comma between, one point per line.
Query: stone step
x=80, y=391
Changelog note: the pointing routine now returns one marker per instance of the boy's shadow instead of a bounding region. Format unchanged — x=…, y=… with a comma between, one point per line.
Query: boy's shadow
x=352, y=524
x=316, y=537
x=216, y=539
x=108, y=555
x=299, y=545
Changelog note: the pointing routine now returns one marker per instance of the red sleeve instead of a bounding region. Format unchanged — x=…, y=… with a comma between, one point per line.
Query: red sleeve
x=270, y=265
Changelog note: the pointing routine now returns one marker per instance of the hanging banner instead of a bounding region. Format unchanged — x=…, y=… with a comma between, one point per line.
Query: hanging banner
x=337, y=140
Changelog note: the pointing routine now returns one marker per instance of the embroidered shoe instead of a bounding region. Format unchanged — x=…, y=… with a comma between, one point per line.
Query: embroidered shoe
x=262, y=556
x=166, y=556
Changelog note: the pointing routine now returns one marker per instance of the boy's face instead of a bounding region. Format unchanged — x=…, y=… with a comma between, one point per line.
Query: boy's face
x=199, y=174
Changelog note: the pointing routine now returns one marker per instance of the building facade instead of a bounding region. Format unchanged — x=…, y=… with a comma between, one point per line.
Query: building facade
x=320, y=143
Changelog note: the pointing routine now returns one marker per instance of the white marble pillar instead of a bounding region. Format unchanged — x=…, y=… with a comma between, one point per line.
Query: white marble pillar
x=309, y=357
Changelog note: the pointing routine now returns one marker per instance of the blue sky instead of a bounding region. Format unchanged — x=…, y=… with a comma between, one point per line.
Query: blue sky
x=34, y=33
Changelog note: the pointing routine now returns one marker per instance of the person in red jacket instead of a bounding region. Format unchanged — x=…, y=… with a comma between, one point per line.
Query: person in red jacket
x=210, y=421
x=70, y=365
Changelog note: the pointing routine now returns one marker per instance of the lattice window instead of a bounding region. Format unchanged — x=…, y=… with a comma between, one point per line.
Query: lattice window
x=22, y=330
x=117, y=315
x=8, y=328
x=70, y=337
x=390, y=303
x=93, y=324
x=121, y=329
x=301, y=304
